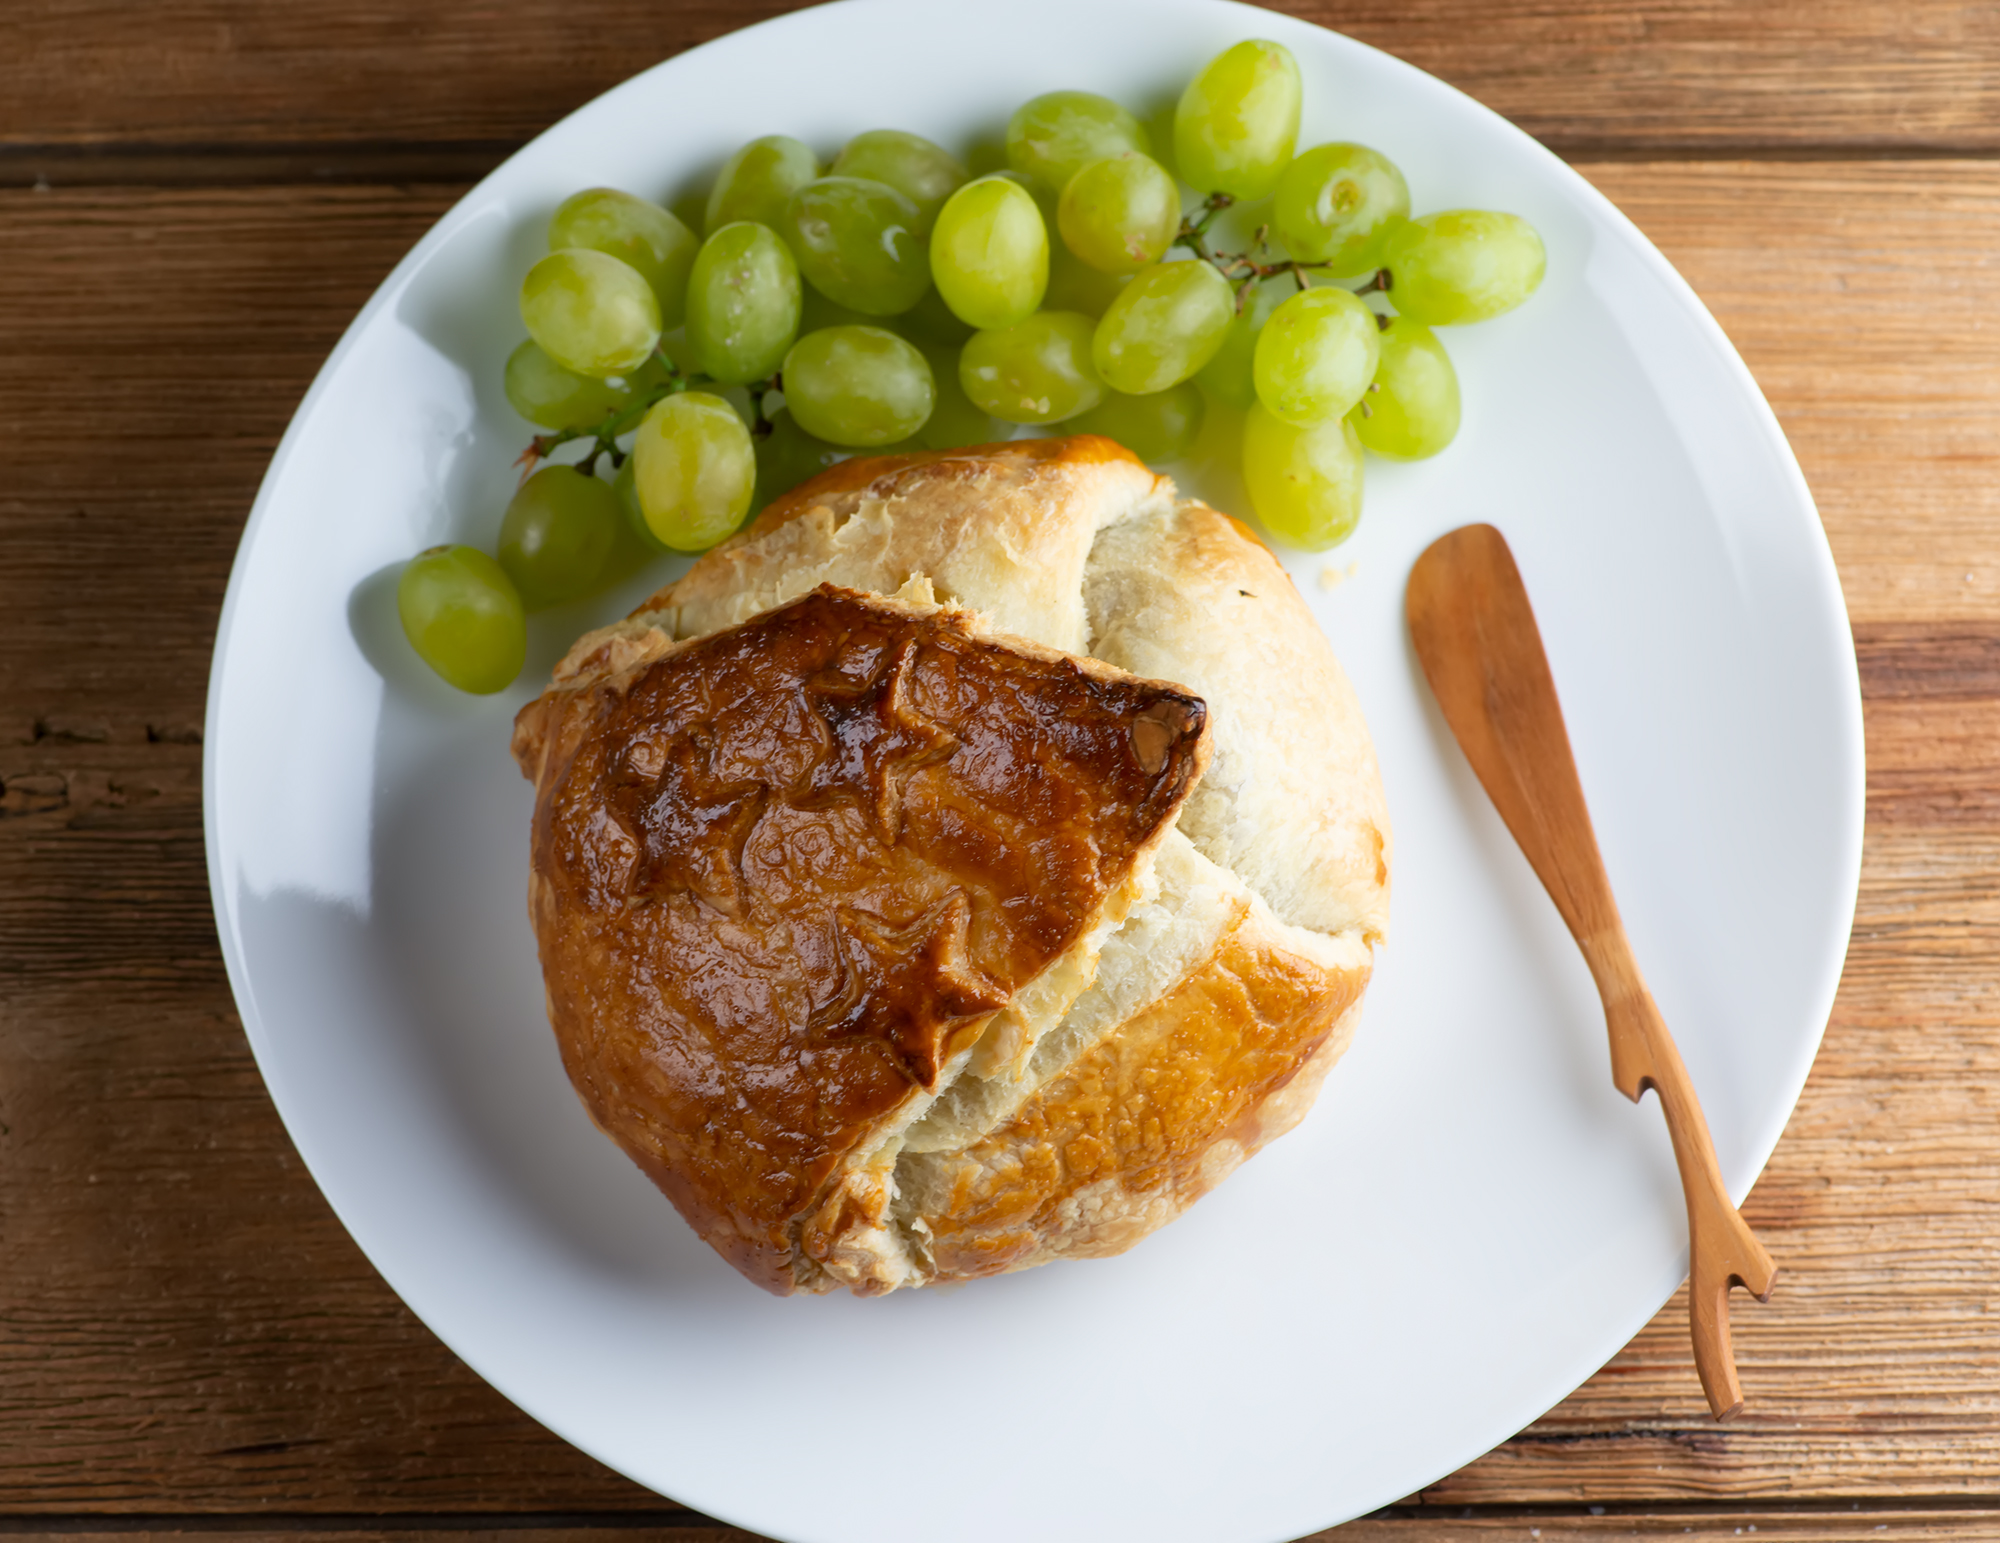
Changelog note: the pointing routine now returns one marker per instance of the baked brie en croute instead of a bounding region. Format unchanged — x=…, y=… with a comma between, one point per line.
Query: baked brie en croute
x=966, y=866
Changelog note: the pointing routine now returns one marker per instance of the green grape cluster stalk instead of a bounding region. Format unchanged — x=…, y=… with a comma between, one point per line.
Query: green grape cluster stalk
x=891, y=301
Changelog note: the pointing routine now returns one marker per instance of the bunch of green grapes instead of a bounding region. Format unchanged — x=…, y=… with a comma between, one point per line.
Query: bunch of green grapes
x=1322, y=366
x=890, y=301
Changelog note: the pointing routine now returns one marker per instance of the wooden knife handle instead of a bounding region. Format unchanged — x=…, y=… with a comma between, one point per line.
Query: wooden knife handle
x=1476, y=637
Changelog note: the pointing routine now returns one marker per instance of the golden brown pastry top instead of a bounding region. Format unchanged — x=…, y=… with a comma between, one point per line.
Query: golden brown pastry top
x=786, y=871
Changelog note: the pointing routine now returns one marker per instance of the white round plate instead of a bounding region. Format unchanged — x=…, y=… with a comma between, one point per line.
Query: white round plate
x=1470, y=1223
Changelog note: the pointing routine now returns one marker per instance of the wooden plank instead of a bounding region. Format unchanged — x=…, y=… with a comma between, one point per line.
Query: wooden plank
x=1929, y=661
x=679, y=1527
x=1934, y=763
x=183, y=1323
x=1439, y=1525
x=1858, y=297
x=1400, y=1525
x=218, y=310
x=184, y=1327
x=1933, y=726
x=279, y=86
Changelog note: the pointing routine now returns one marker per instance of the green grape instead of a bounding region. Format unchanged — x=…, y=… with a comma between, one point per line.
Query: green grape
x=634, y=231
x=1316, y=355
x=1411, y=409
x=1076, y=286
x=590, y=312
x=757, y=181
x=462, y=616
x=1055, y=136
x=818, y=311
x=858, y=386
x=1335, y=205
x=1160, y=427
x=922, y=172
x=629, y=552
x=1463, y=265
x=626, y=486
x=556, y=535
x=545, y=393
x=1304, y=482
x=1120, y=213
x=743, y=303
x=788, y=456
x=990, y=253
x=932, y=320
x=856, y=243
x=1167, y=323
x=1073, y=284
x=1230, y=378
x=928, y=321
x=694, y=468
x=1036, y=371
x=954, y=421
x=1046, y=198
x=635, y=547
x=1238, y=120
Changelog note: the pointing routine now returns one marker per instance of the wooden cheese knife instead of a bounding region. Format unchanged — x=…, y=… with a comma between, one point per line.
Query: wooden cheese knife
x=1475, y=634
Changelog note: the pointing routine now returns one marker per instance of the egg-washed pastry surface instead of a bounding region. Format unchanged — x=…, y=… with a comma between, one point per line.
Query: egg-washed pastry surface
x=787, y=874
x=965, y=866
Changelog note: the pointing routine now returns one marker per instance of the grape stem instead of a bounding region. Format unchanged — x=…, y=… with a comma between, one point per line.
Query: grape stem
x=1244, y=269
x=606, y=433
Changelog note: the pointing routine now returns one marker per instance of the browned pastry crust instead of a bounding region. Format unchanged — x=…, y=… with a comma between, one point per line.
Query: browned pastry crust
x=1164, y=1109
x=885, y=1015
x=786, y=873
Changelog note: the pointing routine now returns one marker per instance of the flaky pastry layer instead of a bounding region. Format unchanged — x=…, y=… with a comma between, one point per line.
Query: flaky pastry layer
x=1073, y=1092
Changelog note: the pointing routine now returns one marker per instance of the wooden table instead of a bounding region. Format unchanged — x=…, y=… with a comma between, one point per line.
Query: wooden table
x=195, y=197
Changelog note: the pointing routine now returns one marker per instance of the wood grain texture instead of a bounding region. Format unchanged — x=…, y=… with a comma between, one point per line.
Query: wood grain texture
x=1861, y=298
x=181, y=1317
x=1402, y=1524
x=1873, y=1525
x=330, y=84
x=184, y=1328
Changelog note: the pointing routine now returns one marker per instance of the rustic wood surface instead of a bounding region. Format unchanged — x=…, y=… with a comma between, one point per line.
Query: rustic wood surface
x=194, y=199
x=337, y=84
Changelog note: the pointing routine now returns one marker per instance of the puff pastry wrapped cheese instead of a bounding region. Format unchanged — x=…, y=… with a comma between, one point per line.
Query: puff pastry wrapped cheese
x=966, y=866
